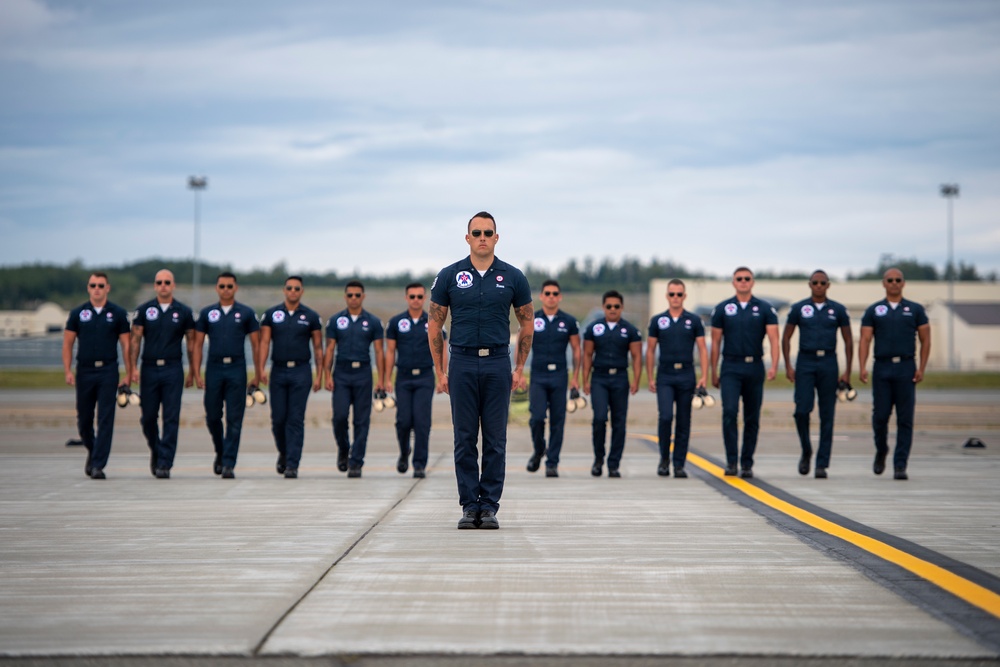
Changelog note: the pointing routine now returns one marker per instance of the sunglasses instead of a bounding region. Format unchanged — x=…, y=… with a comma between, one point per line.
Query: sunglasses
x=226, y=286
x=354, y=295
x=819, y=282
x=164, y=282
x=97, y=285
x=551, y=293
x=612, y=306
x=488, y=233
x=293, y=288
x=894, y=280
x=675, y=293
x=743, y=279
x=414, y=296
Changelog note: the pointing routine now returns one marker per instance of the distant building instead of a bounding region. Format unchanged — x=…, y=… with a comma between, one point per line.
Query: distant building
x=46, y=319
x=976, y=309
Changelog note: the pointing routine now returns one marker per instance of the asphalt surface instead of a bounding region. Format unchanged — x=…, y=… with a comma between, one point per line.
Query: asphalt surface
x=644, y=570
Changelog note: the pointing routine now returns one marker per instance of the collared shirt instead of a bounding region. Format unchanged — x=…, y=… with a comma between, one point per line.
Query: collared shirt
x=818, y=326
x=548, y=346
x=97, y=333
x=895, y=329
x=744, y=329
x=412, y=347
x=611, y=346
x=291, y=332
x=480, y=305
x=226, y=332
x=354, y=336
x=163, y=330
x=676, y=338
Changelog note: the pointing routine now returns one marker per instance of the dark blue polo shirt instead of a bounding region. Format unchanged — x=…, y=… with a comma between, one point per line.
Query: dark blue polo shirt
x=818, y=327
x=675, y=338
x=163, y=330
x=744, y=329
x=480, y=305
x=412, y=348
x=291, y=333
x=226, y=333
x=97, y=333
x=895, y=329
x=354, y=337
x=548, y=346
x=611, y=345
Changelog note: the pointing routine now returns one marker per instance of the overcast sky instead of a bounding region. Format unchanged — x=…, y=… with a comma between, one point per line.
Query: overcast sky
x=349, y=136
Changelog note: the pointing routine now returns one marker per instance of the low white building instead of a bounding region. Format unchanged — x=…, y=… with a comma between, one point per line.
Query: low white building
x=976, y=312
x=47, y=319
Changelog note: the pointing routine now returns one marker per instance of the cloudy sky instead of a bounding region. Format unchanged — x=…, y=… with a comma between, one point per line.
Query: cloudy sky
x=362, y=136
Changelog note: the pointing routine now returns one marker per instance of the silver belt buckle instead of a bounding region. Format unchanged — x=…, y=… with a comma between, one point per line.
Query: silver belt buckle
x=290, y=364
x=612, y=371
x=677, y=367
x=748, y=360
x=161, y=362
x=98, y=364
x=227, y=360
x=551, y=367
x=414, y=371
x=896, y=360
x=820, y=353
x=355, y=364
x=484, y=352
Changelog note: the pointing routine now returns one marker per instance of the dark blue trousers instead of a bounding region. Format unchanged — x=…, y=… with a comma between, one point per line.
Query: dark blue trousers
x=675, y=387
x=479, y=388
x=892, y=385
x=816, y=376
x=352, y=386
x=96, y=387
x=744, y=381
x=289, y=393
x=161, y=386
x=547, y=392
x=414, y=398
x=225, y=385
x=609, y=392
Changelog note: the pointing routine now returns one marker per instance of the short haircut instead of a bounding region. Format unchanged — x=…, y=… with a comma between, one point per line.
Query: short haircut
x=891, y=268
x=226, y=274
x=101, y=274
x=414, y=286
x=677, y=281
x=819, y=271
x=482, y=214
x=743, y=268
x=612, y=294
x=354, y=283
x=299, y=278
x=552, y=282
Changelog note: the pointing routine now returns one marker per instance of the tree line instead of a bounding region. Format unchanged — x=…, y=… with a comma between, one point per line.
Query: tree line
x=29, y=285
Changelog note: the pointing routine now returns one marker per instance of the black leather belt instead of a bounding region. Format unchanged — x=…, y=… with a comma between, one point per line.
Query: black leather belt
x=818, y=353
x=499, y=350
x=96, y=364
x=749, y=359
x=895, y=360
x=414, y=371
x=352, y=364
x=610, y=371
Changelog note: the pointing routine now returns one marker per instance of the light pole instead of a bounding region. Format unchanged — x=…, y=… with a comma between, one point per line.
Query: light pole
x=950, y=191
x=197, y=183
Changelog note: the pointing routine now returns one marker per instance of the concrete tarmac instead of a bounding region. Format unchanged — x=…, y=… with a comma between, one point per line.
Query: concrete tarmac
x=640, y=570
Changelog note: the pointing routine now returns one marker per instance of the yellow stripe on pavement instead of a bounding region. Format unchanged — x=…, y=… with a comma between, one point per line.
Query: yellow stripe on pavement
x=967, y=590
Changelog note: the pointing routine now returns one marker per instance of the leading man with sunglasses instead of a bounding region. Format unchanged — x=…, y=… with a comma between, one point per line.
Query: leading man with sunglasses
x=744, y=321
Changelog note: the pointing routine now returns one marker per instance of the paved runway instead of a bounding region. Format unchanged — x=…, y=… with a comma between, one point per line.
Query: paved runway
x=855, y=569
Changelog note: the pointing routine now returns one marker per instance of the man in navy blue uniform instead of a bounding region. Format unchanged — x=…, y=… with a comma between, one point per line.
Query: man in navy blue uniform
x=158, y=328
x=99, y=327
x=227, y=325
x=895, y=323
x=815, y=372
x=290, y=327
x=744, y=321
x=350, y=333
x=676, y=332
x=607, y=345
x=407, y=347
x=554, y=330
x=480, y=291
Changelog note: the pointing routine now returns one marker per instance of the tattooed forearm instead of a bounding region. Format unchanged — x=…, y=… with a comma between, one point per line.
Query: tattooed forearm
x=136, y=344
x=438, y=313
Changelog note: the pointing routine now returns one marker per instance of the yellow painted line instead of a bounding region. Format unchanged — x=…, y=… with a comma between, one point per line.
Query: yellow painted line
x=967, y=590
